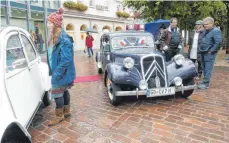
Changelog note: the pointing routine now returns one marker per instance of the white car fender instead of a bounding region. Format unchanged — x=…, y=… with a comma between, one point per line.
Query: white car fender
x=9, y=122
x=46, y=79
x=8, y=116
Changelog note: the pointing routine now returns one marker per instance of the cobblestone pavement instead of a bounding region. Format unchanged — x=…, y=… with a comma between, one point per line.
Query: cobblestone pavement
x=202, y=118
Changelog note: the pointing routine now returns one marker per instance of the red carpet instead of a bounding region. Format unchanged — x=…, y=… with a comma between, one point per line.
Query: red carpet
x=87, y=78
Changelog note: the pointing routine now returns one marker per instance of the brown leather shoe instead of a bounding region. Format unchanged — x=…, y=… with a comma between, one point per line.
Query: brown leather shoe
x=59, y=117
x=67, y=111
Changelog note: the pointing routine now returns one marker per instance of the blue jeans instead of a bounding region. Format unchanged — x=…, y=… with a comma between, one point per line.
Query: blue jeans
x=64, y=100
x=90, y=51
x=207, y=62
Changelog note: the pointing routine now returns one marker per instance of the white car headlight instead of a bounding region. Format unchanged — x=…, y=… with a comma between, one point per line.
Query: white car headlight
x=143, y=85
x=179, y=59
x=128, y=63
x=177, y=81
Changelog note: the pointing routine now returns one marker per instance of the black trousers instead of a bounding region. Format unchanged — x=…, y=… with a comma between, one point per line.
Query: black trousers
x=171, y=53
x=199, y=67
x=64, y=100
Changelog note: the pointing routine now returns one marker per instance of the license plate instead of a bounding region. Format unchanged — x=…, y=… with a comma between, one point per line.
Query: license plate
x=161, y=91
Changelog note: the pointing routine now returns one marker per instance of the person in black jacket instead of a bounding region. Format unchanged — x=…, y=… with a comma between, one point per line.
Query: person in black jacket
x=194, y=43
x=39, y=41
x=157, y=38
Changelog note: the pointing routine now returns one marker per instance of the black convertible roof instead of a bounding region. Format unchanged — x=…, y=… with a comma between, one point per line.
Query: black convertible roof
x=129, y=32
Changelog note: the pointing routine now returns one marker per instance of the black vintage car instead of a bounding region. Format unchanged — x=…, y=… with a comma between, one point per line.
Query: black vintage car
x=133, y=67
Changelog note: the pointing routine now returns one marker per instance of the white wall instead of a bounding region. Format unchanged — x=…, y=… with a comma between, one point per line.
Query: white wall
x=112, y=6
x=77, y=22
x=79, y=44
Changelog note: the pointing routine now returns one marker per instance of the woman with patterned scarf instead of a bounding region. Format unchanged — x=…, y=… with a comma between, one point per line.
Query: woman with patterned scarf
x=61, y=64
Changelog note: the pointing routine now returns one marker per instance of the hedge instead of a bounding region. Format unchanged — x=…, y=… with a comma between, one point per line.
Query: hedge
x=75, y=6
x=122, y=14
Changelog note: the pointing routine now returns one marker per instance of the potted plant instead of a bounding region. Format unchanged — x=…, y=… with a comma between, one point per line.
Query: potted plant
x=75, y=6
x=122, y=14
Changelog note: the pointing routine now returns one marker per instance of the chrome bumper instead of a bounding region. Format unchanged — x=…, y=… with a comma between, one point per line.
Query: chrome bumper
x=143, y=92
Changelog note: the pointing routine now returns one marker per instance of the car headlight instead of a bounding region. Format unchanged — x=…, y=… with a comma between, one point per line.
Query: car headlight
x=128, y=63
x=179, y=59
x=177, y=81
x=143, y=85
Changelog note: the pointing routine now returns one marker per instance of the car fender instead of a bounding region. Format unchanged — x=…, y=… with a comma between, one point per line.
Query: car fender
x=13, y=122
x=46, y=79
x=119, y=75
x=9, y=116
x=186, y=71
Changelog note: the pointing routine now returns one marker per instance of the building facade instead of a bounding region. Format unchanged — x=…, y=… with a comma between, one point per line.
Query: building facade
x=32, y=14
x=28, y=14
x=100, y=15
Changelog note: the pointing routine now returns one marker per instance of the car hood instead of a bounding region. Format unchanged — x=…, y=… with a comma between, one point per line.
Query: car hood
x=135, y=51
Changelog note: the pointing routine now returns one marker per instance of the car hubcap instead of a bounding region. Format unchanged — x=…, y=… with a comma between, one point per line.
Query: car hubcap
x=109, y=88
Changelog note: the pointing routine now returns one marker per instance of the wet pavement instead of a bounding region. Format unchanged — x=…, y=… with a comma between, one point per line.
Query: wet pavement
x=202, y=118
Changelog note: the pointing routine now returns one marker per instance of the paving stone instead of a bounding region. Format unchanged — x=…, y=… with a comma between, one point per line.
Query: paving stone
x=203, y=118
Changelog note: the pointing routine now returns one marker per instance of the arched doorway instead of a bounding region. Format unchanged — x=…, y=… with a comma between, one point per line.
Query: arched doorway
x=83, y=27
x=95, y=27
x=70, y=29
x=118, y=28
x=106, y=29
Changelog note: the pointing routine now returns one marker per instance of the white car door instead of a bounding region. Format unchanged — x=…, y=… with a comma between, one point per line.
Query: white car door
x=17, y=80
x=34, y=70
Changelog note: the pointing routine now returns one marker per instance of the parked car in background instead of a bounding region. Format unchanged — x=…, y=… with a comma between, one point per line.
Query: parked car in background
x=133, y=67
x=24, y=84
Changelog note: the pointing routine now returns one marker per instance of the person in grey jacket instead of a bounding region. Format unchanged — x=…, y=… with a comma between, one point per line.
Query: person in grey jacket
x=194, y=43
x=209, y=47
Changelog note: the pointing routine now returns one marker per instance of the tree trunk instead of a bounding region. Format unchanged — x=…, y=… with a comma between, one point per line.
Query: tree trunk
x=185, y=34
x=227, y=33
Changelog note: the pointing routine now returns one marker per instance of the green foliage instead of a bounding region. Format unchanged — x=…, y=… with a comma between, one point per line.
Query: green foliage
x=75, y=6
x=187, y=12
x=122, y=14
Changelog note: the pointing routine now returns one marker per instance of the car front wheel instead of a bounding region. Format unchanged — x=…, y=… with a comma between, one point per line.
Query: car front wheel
x=47, y=98
x=111, y=90
x=99, y=65
x=187, y=93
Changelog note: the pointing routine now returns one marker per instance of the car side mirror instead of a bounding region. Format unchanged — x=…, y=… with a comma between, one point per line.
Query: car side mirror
x=20, y=63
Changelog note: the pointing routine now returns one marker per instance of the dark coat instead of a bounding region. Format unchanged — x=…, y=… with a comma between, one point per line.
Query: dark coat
x=40, y=39
x=166, y=37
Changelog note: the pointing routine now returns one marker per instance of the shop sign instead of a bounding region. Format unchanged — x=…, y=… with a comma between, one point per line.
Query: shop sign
x=100, y=7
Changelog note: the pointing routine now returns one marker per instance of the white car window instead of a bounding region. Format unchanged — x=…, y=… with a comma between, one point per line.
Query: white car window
x=28, y=48
x=15, y=58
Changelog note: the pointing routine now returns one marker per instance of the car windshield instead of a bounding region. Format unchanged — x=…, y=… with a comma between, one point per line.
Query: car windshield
x=132, y=41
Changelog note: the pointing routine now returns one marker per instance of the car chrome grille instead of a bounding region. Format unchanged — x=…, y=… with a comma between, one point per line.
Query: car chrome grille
x=153, y=71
